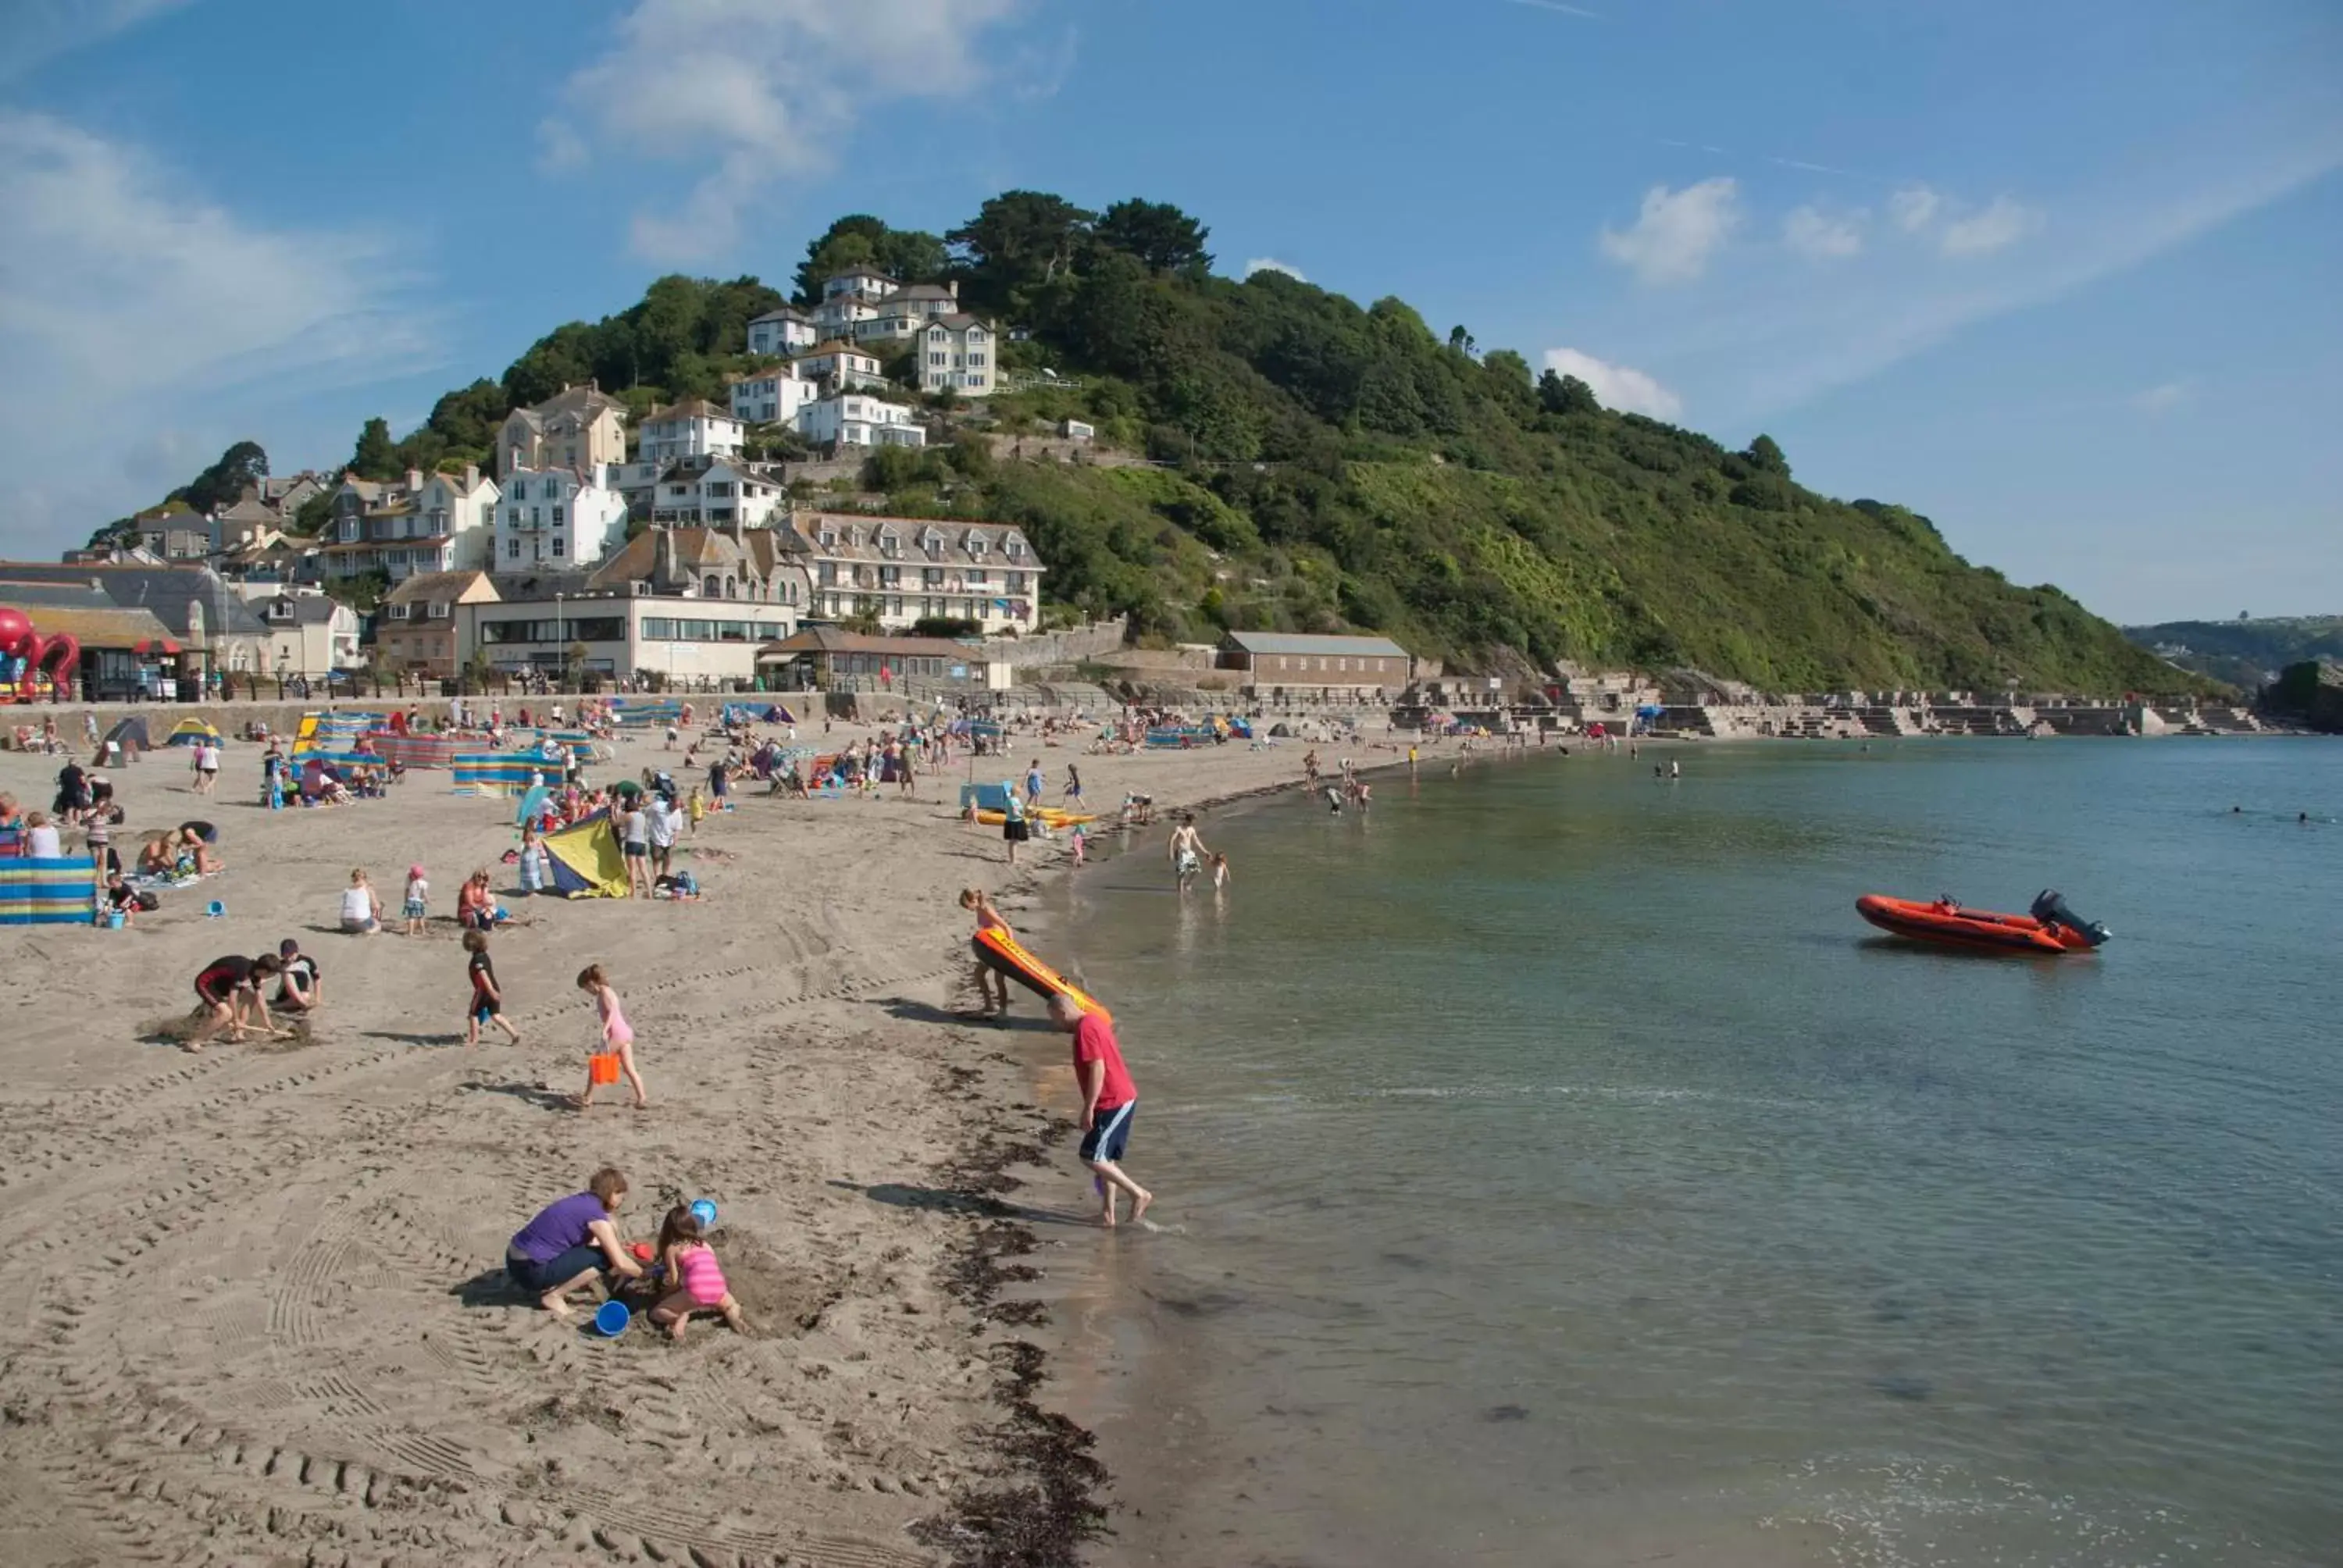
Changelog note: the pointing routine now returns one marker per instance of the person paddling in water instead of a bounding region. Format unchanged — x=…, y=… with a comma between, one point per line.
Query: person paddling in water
x=1109, y=1101
x=1187, y=851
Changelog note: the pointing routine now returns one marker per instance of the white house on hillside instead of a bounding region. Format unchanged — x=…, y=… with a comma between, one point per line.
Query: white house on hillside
x=858, y=282
x=958, y=352
x=841, y=315
x=693, y=428
x=788, y=330
x=836, y=366
x=559, y=516
x=438, y=524
x=903, y=312
x=857, y=419
x=722, y=493
x=771, y=396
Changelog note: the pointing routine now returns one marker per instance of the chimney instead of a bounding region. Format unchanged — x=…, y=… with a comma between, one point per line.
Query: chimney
x=951, y=287
x=662, y=557
x=471, y=477
x=414, y=480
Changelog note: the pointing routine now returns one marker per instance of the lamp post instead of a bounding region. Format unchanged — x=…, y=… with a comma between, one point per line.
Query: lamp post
x=560, y=643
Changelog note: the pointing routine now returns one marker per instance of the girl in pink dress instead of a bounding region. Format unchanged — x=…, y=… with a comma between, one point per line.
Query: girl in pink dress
x=690, y=1270
x=616, y=1036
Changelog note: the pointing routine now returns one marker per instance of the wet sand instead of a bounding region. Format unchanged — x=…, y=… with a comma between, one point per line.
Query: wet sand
x=261, y=1314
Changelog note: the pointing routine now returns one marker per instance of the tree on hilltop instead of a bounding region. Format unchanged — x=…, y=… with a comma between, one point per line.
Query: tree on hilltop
x=905, y=254
x=1017, y=240
x=374, y=459
x=1559, y=393
x=242, y=467
x=1160, y=234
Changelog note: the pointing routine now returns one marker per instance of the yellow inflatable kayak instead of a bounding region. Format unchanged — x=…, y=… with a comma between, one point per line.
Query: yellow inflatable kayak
x=998, y=951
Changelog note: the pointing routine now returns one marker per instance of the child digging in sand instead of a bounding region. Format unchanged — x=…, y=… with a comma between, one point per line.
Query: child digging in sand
x=688, y=1263
x=488, y=998
x=616, y=1036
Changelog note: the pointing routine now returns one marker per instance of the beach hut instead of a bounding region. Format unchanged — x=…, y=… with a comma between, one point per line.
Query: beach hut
x=587, y=860
x=55, y=892
x=192, y=732
x=129, y=737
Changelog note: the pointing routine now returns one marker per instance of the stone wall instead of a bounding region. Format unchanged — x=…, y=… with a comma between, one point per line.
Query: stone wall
x=1071, y=646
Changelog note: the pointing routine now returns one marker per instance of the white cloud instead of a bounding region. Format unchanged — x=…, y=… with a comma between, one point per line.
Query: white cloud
x=1675, y=232
x=1270, y=264
x=1620, y=387
x=1824, y=237
x=2162, y=398
x=758, y=90
x=40, y=30
x=128, y=307
x=1914, y=207
x=2001, y=223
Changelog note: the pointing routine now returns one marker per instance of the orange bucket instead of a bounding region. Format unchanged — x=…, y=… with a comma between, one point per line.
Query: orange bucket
x=602, y=1067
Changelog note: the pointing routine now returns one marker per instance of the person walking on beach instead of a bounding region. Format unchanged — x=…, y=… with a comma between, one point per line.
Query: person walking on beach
x=1109, y=1101
x=1013, y=828
x=617, y=1035
x=1186, y=850
x=488, y=998
x=990, y=982
x=1034, y=783
x=666, y=827
x=1073, y=785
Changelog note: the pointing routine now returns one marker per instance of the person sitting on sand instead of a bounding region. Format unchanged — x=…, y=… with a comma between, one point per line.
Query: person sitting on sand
x=476, y=907
x=194, y=853
x=571, y=1243
x=687, y=1266
x=361, y=906
x=157, y=857
x=119, y=898
x=229, y=989
x=298, y=989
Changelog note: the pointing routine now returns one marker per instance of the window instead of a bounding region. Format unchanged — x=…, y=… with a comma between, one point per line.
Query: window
x=399, y=612
x=938, y=361
x=439, y=610
x=557, y=547
x=512, y=549
x=536, y=516
x=520, y=491
x=558, y=516
x=975, y=357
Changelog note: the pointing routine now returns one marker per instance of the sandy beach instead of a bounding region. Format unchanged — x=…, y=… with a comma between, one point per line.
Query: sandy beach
x=263, y=1318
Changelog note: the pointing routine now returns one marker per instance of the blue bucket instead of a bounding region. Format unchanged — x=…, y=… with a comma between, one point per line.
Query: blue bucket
x=704, y=1210
x=215, y=909
x=611, y=1319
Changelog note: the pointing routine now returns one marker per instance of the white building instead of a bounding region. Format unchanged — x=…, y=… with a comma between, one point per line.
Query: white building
x=577, y=428
x=958, y=352
x=903, y=569
x=903, y=313
x=841, y=314
x=692, y=429
x=720, y=493
x=559, y=518
x=771, y=396
x=858, y=420
x=858, y=282
x=309, y=634
x=439, y=524
x=788, y=330
x=836, y=366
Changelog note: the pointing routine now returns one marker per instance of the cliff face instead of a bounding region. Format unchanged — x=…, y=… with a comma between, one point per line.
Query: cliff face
x=2309, y=694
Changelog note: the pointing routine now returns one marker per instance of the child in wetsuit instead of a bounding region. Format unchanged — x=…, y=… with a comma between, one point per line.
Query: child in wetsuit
x=687, y=1267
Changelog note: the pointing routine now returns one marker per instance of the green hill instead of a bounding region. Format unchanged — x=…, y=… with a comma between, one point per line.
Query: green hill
x=1326, y=466
x=2243, y=652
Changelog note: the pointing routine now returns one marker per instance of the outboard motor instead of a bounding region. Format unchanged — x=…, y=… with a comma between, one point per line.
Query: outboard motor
x=2051, y=909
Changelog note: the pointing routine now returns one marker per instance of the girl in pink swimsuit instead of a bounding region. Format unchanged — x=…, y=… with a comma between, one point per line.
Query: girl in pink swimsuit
x=616, y=1036
x=689, y=1265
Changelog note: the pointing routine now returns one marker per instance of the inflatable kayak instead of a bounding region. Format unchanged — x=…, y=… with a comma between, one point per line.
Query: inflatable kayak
x=1051, y=815
x=2050, y=928
x=1000, y=951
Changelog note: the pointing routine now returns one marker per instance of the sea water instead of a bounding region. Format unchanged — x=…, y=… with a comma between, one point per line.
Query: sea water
x=1553, y=1168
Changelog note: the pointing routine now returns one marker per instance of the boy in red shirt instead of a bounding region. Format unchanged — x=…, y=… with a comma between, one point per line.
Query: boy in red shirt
x=1109, y=1101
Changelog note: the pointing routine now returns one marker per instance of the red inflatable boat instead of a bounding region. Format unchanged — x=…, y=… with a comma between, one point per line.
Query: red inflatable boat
x=2050, y=928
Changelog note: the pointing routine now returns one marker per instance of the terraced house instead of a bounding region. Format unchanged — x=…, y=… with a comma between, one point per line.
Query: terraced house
x=903, y=570
x=442, y=523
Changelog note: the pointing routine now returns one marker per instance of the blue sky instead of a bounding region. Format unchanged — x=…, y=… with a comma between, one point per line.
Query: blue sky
x=2061, y=275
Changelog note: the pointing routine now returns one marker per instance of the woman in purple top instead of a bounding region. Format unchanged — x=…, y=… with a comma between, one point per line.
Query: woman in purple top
x=570, y=1242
